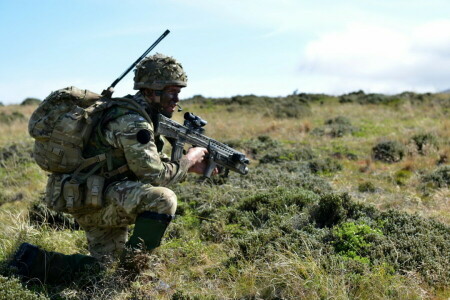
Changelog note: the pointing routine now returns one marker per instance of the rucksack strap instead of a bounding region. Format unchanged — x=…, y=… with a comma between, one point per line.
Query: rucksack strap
x=106, y=158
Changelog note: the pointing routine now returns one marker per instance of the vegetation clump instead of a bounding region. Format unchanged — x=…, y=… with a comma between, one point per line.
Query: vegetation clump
x=11, y=288
x=31, y=101
x=18, y=152
x=255, y=147
x=8, y=118
x=401, y=177
x=352, y=240
x=291, y=107
x=439, y=178
x=388, y=151
x=324, y=166
x=424, y=140
x=363, y=98
x=336, y=127
x=41, y=215
x=282, y=155
x=367, y=187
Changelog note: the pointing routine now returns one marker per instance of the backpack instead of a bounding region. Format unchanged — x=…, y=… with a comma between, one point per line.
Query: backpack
x=61, y=127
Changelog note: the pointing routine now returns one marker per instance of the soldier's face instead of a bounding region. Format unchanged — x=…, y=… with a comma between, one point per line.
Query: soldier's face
x=169, y=100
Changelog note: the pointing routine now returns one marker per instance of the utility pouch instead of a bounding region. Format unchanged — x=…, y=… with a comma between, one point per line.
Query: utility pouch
x=94, y=191
x=54, y=198
x=73, y=196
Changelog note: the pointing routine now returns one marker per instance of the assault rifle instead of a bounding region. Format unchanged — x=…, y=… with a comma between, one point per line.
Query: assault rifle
x=220, y=155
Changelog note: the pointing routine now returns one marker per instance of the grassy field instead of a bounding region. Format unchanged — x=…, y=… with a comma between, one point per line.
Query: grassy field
x=347, y=198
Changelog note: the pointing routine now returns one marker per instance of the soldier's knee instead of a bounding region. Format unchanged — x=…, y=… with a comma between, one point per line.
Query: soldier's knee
x=166, y=202
x=170, y=201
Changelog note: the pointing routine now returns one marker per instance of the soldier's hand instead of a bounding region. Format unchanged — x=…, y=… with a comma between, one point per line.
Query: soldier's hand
x=196, y=157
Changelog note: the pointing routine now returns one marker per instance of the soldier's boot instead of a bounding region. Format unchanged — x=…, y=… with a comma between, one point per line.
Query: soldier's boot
x=148, y=232
x=32, y=262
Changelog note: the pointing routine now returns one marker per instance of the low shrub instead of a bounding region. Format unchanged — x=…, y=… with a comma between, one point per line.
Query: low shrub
x=324, y=166
x=389, y=151
x=423, y=140
x=353, y=240
x=401, y=177
x=283, y=155
x=14, y=116
x=363, y=98
x=11, y=288
x=19, y=152
x=367, y=187
x=416, y=244
x=291, y=107
x=255, y=147
x=336, y=127
x=31, y=101
x=439, y=178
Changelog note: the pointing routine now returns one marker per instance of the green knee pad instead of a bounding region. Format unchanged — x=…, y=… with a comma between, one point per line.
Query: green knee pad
x=149, y=230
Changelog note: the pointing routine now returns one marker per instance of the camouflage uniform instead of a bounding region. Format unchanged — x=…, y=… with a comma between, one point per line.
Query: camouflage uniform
x=138, y=190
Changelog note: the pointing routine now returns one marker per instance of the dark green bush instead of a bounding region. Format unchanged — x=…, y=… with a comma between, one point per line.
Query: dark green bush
x=331, y=210
x=31, y=101
x=388, y=151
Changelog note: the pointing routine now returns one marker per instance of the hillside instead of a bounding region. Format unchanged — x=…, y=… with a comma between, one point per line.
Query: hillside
x=347, y=198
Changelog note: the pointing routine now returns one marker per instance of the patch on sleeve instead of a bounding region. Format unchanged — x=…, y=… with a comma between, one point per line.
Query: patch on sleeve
x=143, y=136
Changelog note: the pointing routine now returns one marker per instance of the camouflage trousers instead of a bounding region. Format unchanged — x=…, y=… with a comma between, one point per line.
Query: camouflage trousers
x=107, y=229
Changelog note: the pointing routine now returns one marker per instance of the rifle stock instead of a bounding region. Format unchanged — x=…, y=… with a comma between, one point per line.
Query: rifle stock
x=219, y=154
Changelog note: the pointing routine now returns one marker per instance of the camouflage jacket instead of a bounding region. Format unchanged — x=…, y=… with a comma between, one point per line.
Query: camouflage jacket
x=130, y=143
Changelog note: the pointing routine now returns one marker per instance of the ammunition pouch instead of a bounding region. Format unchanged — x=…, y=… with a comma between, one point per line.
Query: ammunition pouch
x=66, y=195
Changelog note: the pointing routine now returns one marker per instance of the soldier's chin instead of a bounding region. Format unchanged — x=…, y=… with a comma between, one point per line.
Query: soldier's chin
x=168, y=114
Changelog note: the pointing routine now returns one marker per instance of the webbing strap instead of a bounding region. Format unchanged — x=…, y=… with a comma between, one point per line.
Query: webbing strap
x=77, y=178
x=86, y=163
x=117, y=171
x=63, y=137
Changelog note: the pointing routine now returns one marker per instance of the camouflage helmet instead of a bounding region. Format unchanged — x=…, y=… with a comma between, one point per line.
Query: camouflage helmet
x=158, y=71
